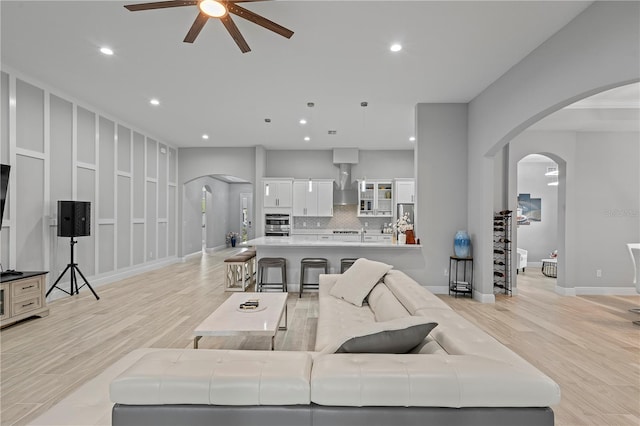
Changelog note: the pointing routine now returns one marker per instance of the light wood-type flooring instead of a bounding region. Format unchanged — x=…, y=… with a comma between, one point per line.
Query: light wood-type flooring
x=587, y=344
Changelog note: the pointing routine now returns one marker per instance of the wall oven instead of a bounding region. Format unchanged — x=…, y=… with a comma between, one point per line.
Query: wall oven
x=277, y=225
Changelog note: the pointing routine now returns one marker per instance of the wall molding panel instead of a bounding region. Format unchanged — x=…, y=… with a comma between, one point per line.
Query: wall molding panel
x=62, y=148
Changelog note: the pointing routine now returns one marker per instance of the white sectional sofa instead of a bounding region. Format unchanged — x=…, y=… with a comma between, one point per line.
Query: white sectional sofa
x=458, y=374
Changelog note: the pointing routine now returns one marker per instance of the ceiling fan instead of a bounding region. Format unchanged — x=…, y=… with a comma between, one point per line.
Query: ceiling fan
x=221, y=10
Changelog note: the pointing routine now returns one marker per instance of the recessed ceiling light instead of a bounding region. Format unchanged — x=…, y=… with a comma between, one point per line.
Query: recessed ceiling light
x=154, y=101
x=205, y=136
x=396, y=47
x=412, y=139
x=303, y=121
x=106, y=51
x=307, y=138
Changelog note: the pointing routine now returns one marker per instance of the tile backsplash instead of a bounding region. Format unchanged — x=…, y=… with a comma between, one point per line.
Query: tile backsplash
x=344, y=217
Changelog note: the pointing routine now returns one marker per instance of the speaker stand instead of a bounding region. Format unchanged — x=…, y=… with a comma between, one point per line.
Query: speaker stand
x=72, y=268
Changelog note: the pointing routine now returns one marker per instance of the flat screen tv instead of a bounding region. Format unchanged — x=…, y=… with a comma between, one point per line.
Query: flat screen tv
x=4, y=186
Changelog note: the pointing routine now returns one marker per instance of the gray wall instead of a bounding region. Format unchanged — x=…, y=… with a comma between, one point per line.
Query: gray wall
x=62, y=150
x=318, y=164
x=235, y=208
x=441, y=186
x=198, y=162
x=596, y=51
x=608, y=205
x=599, y=209
x=222, y=212
x=538, y=238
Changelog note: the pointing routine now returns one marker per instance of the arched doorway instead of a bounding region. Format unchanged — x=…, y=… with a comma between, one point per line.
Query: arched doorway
x=594, y=143
x=212, y=209
x=538, y=228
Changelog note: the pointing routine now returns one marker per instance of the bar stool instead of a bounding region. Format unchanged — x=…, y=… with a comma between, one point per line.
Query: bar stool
x=311, y=262
x=346, y=263
x=272, y=262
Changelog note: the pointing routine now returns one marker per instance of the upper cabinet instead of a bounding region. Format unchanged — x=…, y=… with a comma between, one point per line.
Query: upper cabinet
x=277, y=192
x=313, y=198
x=405, y=191
x=375, y=199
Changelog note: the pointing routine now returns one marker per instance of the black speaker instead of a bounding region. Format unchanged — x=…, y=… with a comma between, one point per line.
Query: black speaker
x=74, y=218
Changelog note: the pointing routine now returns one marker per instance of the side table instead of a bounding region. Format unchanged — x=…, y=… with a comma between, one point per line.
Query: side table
x=461, y=275
x=550, y=267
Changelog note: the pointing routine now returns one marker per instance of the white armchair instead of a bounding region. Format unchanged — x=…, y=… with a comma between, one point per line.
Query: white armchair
x=522, y=259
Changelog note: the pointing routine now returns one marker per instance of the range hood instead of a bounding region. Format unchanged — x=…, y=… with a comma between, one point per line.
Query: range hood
x=345, y=192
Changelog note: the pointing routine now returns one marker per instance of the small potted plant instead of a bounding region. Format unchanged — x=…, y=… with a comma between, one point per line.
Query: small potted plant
x=232, y=238
x=402, y=226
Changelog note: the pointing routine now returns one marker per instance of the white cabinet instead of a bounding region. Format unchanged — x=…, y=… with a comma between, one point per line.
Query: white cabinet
x=405, y=191
x=376, y=199
x=313, y=198
x=277, y=192
x=325, y=198
x=385, y=238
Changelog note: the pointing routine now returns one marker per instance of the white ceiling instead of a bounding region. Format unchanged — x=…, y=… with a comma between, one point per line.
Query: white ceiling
x=338, y=57
x=616, y=110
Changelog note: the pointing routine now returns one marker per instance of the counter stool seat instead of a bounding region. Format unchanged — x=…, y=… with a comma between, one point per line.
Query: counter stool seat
x=345, y=263
x=311, y=262
x=272, y=262
x=239, y=270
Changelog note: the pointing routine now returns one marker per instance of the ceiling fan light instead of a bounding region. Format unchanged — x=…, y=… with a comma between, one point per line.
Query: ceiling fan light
x=212, y=8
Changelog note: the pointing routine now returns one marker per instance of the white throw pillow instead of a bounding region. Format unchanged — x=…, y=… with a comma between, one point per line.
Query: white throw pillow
x=397, y=336
x=384, y=304
x=356, y=282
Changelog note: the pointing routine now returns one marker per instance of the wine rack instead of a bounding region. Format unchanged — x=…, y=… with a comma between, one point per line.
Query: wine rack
x=502, y=274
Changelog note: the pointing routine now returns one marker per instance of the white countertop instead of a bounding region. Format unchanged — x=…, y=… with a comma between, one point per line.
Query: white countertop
x=300, y=242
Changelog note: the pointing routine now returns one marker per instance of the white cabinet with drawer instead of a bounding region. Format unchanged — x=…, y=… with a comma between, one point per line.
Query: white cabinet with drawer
x=22, y=296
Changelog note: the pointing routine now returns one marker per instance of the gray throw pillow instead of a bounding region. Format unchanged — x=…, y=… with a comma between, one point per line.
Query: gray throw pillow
x=398, y=336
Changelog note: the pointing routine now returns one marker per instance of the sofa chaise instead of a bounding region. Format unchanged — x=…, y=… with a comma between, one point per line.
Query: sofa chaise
x=457, y=374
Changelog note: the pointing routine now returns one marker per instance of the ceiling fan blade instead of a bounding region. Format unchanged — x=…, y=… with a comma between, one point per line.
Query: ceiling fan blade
x=195, y=29
x=259, y=20
x=160, y=5
x=235, y=33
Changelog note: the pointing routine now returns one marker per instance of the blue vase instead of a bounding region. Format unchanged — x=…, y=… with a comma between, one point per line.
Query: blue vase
x=462, y=244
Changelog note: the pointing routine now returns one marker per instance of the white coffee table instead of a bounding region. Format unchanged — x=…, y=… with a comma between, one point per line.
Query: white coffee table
x=228, y=320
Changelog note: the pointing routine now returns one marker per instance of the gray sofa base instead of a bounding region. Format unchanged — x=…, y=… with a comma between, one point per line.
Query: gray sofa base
x=317, y=415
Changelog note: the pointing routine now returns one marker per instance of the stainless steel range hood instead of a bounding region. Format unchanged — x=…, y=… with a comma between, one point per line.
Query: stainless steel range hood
x=345, y=191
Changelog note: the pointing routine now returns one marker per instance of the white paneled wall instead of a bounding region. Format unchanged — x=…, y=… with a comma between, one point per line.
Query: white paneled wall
x=62, y=149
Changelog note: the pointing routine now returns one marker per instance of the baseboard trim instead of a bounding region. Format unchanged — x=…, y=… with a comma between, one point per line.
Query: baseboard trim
x=108, y=278
x=438, y=289
x=190, y=256
x=605, y=291
x=564, y=291
x=484, y=298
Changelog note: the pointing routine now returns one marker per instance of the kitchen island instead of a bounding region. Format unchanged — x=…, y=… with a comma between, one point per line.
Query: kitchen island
x=405, y=257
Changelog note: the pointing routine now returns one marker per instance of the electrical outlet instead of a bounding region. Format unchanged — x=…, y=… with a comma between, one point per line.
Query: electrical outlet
x=598, y=273
x=446, y=272
x=304, y=224
x=318, y=224
x=366, y=224
x=150, y=254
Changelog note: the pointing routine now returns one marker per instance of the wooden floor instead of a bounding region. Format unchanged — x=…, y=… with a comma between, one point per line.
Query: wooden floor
x=586, y=344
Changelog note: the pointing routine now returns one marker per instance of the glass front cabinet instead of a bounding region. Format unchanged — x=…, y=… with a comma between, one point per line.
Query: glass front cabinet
x=375, y=198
